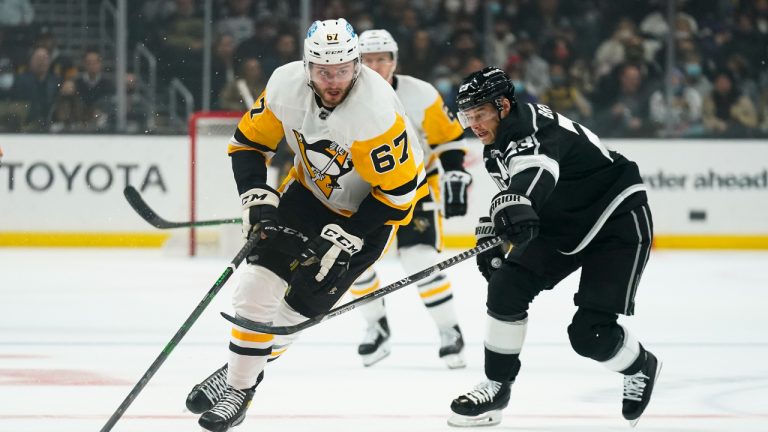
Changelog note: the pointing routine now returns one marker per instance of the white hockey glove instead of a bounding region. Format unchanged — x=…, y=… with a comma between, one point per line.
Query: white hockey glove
x=260, y=211
x=455, y=184
x=327, y=256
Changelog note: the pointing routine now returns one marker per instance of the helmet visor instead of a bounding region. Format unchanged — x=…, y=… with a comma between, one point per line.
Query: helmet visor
x=477, y=114
x=338, y=73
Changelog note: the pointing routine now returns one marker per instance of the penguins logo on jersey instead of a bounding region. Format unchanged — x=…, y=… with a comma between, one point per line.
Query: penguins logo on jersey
x=326, y=160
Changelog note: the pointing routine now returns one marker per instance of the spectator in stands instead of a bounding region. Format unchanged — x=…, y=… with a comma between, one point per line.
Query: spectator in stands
x=611, y=51
x=565, y=98
x=421, y=58
x=37, y=90
x=261, y=45
x=502, y=41
x=240, y=93
x=684, y=111
x=96, y=92
x=238, y=22
x=534, y=69
x=727, y=112
x=515, y=69
x=626, y=113
x=61, y=65
x=69, y=113
x=223, y=67
x=181, y=53
x=286, y=51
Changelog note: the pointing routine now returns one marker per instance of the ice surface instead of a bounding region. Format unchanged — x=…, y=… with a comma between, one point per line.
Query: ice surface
x=78, y=328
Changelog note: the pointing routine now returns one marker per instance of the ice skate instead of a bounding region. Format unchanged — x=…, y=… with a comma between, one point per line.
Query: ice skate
x=203, y=396
x=482, y=406
x=638, y=389
x=229, y=411
x=451, y=347
x=375, y=346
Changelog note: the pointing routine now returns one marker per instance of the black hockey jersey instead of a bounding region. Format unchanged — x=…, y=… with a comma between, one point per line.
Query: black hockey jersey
x=573, y=181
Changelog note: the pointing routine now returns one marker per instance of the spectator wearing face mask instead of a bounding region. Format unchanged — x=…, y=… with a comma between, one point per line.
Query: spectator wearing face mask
x=564, y=97
x=727, y=112
x=684, y=109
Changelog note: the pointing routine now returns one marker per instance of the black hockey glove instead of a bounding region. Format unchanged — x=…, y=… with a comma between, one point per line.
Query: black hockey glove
x=260, y=211
x=326, y=258
x=455, y=184
x=513, y=218
x=490, y=260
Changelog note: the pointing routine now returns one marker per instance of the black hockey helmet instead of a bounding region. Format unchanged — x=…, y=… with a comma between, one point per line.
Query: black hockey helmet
x=486, y=85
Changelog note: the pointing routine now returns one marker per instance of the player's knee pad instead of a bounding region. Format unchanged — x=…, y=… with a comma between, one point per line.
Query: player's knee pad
x=258, y=294
x=594, y=334
x=511, y=290
x=417, y=257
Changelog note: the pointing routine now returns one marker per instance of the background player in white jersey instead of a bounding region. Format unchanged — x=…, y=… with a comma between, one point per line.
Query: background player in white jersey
x=357, y=174
x=442, y=139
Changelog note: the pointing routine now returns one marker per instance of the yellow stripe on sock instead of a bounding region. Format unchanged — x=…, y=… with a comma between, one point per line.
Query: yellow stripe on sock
x=435, y=291
x=251, y=337
x=365, y=291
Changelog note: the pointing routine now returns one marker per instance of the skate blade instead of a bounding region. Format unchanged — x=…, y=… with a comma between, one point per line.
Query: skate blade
x=379, y=355
x=454, y=361
x=633, y=423
x=490, y=418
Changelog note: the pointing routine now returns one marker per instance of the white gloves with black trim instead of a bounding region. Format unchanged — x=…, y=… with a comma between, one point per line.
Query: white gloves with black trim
x=260, y=211
x=513, y=218
x=327, y=256
x=455, y=184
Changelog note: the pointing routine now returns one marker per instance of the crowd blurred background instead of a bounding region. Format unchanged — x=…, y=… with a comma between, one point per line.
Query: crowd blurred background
x=630, y=68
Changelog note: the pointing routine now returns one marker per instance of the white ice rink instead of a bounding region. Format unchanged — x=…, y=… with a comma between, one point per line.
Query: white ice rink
x=78, y=328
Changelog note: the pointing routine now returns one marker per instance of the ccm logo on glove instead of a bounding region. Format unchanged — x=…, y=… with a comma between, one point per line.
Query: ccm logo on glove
x=337, y=236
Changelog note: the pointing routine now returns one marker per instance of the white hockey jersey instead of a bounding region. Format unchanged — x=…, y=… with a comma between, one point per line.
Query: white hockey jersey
x=438, y=128
x=363, y=146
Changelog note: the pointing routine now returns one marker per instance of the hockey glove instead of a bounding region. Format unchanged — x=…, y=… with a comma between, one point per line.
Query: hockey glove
x=513, y=218
x=260, y=211
x=326, y=258
x=490, y=260
x=455, y=185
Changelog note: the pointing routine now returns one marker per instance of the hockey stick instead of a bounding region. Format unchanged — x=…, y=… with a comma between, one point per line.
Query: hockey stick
x=286, y=330
x=149, y=215
x=181, y=332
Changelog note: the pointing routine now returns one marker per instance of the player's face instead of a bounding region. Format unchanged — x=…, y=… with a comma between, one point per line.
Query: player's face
x=382, y=63
x=332, y=82
x=483, y=120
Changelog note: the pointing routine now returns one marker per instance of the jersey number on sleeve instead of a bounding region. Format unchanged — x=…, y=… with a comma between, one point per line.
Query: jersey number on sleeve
x=383, y=157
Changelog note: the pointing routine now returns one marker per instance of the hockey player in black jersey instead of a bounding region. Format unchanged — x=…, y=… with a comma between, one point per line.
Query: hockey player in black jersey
x=565, y=202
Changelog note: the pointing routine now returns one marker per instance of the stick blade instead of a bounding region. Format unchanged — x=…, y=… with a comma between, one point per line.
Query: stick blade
x=257, y=326
x=142, y=208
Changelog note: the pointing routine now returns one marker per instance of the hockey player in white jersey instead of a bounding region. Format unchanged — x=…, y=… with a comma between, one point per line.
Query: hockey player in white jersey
x=358, y=173
x=442, y=139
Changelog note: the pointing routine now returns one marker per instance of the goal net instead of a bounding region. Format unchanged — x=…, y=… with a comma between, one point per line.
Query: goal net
x=212, y=188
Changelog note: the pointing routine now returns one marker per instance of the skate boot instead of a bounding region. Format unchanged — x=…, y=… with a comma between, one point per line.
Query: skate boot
x=229, y=411
x=375, y=346
x=203, y=396
x=482, y=406
x=451, y=347
x=638, y=389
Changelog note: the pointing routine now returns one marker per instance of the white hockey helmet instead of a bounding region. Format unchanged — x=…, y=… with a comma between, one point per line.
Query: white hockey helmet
x=378, y=40
x=331, y=42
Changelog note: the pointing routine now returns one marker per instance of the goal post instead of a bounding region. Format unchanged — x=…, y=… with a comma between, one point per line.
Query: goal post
x=212, y=189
